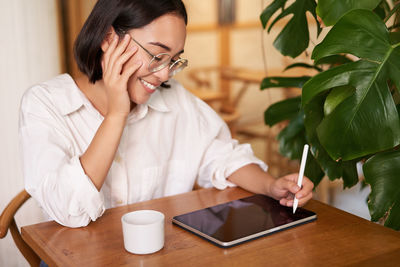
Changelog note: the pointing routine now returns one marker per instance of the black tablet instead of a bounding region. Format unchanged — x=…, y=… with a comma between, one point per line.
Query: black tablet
x=242, y=220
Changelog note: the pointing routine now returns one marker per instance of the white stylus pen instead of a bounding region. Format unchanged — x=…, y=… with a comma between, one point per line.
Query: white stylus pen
x=301, y=174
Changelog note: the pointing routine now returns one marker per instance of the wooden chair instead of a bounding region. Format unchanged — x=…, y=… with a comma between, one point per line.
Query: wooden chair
x=7, y=221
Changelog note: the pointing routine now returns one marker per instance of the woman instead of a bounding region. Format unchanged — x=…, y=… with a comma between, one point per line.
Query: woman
x=125, y=131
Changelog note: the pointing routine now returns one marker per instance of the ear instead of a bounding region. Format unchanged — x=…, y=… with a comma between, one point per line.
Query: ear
x=108, y=39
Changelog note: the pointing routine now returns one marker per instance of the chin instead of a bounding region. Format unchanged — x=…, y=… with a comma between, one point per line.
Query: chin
x=139, y=100
x=138, y=94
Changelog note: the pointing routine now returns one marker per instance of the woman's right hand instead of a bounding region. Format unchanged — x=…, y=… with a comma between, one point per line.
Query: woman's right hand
x=117, y=69
x=118, y=66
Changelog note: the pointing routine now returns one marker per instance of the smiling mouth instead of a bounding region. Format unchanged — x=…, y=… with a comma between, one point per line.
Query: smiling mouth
x=148, y=85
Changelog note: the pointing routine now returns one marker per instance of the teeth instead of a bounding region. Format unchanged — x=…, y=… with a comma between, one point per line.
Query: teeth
x=148, y=85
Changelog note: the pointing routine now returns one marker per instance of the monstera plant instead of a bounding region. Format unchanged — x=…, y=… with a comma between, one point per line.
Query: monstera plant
x=349, y=111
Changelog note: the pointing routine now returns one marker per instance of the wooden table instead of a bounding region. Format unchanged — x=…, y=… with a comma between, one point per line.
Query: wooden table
x=336, y=238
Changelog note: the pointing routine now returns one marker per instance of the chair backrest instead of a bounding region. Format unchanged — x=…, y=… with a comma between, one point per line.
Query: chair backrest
x=7, y=221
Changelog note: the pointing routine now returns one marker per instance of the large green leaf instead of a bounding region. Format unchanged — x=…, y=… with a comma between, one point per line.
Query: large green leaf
x=334, y=60
x=331, y=10
x=349, y=173
x=291, y=142
x=276, y=82
x=296, y=30
x=292, y=138
x=313, y=170
x=314, y=113
x=337, y=96
x=282, y=110
x=270, y=10
x=395, y=37
x=361, y=33
x=367, y=121
x=382, y=173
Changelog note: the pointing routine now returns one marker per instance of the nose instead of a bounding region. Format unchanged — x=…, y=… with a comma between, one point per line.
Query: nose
x=163, y=74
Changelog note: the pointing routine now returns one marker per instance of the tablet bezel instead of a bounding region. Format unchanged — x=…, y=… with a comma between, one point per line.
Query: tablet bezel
x=238, y=241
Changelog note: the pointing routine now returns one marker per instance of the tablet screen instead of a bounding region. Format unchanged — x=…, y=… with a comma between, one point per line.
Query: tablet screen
x=242, y=220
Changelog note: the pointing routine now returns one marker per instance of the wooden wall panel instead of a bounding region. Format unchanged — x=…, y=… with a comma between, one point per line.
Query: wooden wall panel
x=73, y=16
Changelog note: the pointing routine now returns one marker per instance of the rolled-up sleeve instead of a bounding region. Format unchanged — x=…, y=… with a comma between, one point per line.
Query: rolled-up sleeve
x=223, y=155
x=52, y=170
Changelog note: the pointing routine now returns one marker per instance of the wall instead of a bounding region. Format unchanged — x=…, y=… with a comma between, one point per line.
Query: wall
x=29, y=54
x=249, y=45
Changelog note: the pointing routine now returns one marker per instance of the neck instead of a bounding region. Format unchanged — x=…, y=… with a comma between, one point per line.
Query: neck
x=95, y=93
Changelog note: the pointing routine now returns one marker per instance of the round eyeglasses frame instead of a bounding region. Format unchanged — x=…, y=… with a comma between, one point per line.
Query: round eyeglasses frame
x=175, y=66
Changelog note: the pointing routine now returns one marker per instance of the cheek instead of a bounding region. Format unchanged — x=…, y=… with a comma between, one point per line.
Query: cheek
x=134, y=85
x=135, y=88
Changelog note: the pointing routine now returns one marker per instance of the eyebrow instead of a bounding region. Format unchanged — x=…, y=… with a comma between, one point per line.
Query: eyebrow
x=164, y=47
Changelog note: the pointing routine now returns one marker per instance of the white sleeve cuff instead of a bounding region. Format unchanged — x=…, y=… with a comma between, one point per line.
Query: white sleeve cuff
x=88, y=200
x=68, y=196
x=222, y=159
x=240, y=157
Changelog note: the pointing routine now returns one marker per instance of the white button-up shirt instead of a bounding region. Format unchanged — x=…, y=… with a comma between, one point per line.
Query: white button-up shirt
x=168, y=144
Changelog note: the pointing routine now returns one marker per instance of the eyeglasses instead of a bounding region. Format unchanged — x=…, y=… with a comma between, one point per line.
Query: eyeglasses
x=162, y=60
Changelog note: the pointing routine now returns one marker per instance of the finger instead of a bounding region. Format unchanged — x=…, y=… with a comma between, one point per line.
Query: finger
x=286, y=202
x=108, y=52
x=121, y=47
x=306, y=188
x=307, y=183
x=129, y=71
x=118, y=67
x=283, y=201
x=305, y=199
x=118, y=60
x=291, y=186
x=292, y=177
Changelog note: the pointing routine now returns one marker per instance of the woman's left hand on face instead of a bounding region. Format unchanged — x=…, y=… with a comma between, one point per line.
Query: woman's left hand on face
x=117, y=69
x=285, y=188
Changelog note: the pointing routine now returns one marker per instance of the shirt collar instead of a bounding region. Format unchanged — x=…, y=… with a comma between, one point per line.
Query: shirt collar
x=69, y=98
x=157, y=102
x=66, y=94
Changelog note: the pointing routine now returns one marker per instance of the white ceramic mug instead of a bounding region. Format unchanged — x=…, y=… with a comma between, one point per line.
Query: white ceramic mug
x=143, y=231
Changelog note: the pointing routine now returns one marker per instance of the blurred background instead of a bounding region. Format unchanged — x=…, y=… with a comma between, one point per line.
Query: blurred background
x=229, y=53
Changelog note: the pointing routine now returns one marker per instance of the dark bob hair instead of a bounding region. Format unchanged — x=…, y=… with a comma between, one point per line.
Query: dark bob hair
x=122, y=15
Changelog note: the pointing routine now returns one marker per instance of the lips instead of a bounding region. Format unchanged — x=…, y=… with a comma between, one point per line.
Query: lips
x=150, y=88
